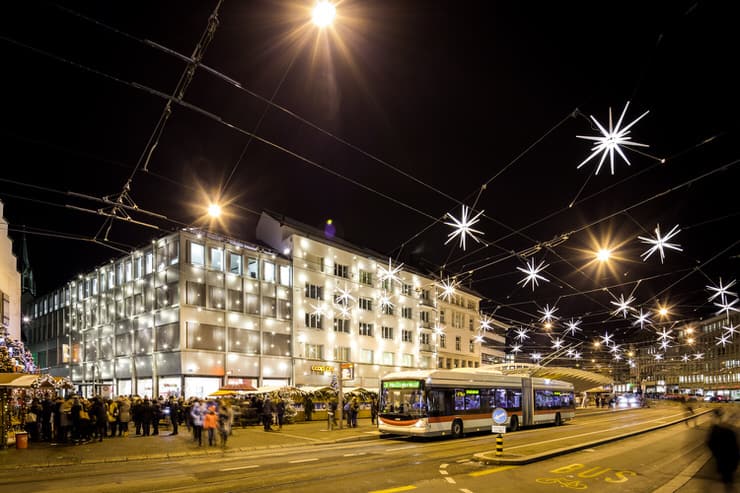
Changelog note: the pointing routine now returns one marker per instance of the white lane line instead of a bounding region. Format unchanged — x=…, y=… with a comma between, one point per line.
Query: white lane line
x=450, y=480
x=465, y=490
x=355, y=455
x=238, y=468
x=443, y=466
x=400, y=448
x=443, y=472
x=303, y=460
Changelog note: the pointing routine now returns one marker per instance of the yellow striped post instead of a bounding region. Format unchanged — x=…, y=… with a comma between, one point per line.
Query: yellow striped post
x=499, y=445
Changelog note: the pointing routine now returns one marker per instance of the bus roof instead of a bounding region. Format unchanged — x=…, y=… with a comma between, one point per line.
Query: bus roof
x=473, y=376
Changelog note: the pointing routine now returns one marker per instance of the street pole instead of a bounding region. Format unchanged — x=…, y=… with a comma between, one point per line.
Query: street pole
x=340, y=398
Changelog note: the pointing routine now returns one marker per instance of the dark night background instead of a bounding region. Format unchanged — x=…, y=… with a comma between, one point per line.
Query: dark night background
x=432, y=99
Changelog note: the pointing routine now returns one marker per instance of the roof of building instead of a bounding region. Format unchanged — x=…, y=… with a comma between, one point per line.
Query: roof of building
x=582, y=380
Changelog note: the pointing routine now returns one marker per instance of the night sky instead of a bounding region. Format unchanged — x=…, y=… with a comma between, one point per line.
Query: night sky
x=399, y=114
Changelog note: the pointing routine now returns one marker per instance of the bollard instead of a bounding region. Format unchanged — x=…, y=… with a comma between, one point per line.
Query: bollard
x=499, y=445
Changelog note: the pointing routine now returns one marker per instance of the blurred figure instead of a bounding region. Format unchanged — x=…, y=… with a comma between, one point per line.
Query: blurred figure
x=722, y=442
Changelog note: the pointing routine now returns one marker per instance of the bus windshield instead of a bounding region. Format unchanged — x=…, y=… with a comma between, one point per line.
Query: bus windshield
x=403, y=397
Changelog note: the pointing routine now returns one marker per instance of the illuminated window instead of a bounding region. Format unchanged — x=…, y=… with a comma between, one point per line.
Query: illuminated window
x=197, y=255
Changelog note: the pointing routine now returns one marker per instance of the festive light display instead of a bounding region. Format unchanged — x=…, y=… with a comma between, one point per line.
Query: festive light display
x=659, y=243
x=463, y=227
x=533, y=273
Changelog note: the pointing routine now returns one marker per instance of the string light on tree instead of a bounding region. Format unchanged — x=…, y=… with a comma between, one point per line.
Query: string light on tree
x=533, y=273
x=463, y=227
x=659, y=243
x=611, y=140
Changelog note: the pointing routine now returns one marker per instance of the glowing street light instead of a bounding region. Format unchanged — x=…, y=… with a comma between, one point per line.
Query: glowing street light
x=323, y=14
x=214, y=210
x=603, y=255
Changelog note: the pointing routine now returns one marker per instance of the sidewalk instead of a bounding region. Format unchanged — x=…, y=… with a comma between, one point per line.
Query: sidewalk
x=164, y=445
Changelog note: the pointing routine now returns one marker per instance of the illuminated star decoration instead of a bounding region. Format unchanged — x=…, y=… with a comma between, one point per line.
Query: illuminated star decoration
x=642, y=319
x=699, y=356
x=731, y=330
x=385, y=301
x=665, y=335
x=665, y=344
x=557, y=343
x=576, y=355
x=344, y=296
x=724, y=339
x=318, y=310
x=547, y=314
x=659, y=243
x=516, y=348
x=685, y=357
x=623, y=306
x=572, y=327
x=536, y=356
x=721, y=291
x=486, y=322
x=521, y=334
x=658, y=356
x=533, y=273
x=391, y=273
x=463, y=227
x=448, y=288
x=726, y=306
x=611, y=140
x=606, y=338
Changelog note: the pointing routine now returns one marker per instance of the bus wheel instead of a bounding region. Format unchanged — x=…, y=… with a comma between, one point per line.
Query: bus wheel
x=514, y=423
x=457, y=428
x=558, y=420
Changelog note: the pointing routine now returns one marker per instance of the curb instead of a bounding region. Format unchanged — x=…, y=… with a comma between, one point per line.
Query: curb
x=487, y=458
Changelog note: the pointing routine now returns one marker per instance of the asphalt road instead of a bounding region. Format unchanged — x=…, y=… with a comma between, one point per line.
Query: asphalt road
x=672, y=458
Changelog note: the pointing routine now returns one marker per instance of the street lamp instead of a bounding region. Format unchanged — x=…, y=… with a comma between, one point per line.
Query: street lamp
x=323, y=14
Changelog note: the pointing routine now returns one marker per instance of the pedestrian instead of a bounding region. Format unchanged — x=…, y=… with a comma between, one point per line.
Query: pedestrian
x=225, y=422
x=354, y=411
x=174, y=413
x=156, y=415
x=347, y=414
x=124, y=415
x=280, y=411
x=373, y=409
x=99, y=414
x=689, y=410
x=722, y=442
x=197, y=413
x=267, y=414
x=112, y=417
x=146, y=416
x=210, y=424
x=307, y=407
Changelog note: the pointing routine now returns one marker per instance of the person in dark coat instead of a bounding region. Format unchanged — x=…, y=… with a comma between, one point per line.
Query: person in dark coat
x=722, y=442
x=174, y=412
x=267, y=414
x=146, y=417
x=307, y=407
x=99, y=415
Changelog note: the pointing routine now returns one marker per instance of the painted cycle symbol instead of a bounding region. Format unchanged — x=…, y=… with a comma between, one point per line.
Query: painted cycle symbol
x=573, y=484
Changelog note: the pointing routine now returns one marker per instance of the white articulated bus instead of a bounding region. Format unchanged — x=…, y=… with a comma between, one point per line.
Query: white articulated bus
x=451, y=402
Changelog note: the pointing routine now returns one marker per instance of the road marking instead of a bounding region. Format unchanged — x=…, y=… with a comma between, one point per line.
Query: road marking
x=303, y=460
x=400, y=448
x=491, y=471
x=443, y=472
x=683, y=477
x=394, y=490
x=465, y=490
x=443, y=466
x=238, y=468
x=355, y=454
x=450, y=480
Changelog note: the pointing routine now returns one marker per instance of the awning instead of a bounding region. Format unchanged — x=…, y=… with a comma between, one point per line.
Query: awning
x=17, y=379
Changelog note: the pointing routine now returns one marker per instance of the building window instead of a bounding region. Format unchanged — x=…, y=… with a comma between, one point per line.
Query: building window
x=386, y=332
x=443, y=340
x=424, y=338
x=407, y=359
x=366, y=329
x=470, y=324
x=149, y=261
x=407, y=312
x=204, y=336
x=216, y=297
x=285, y=275
x=342, y=353
x=471, y=346
x=341, y=325
x=407, y=290
x=244, y=341
x=195, y=293
x=387, y=309
x=253, y=268
x=424, y=317
x=341, y=270
x=388, y=358
x=275, y=344
x=269, y=271
x=366, y=277
x=235, y=263
x=313, y=320
x=365, y=304
x=442, y=317
x=314, y=351
x=458, y=343
x=314, y=292
x=283, y=310
x=252, y=304
x=314, y=262
x=457, y=320
x=366, y=356
x=235, y=300
x=216, y=256
x=407, y=336
x=197, y=256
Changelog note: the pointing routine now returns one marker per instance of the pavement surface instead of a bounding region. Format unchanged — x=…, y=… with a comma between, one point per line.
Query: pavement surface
x=700, y=478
